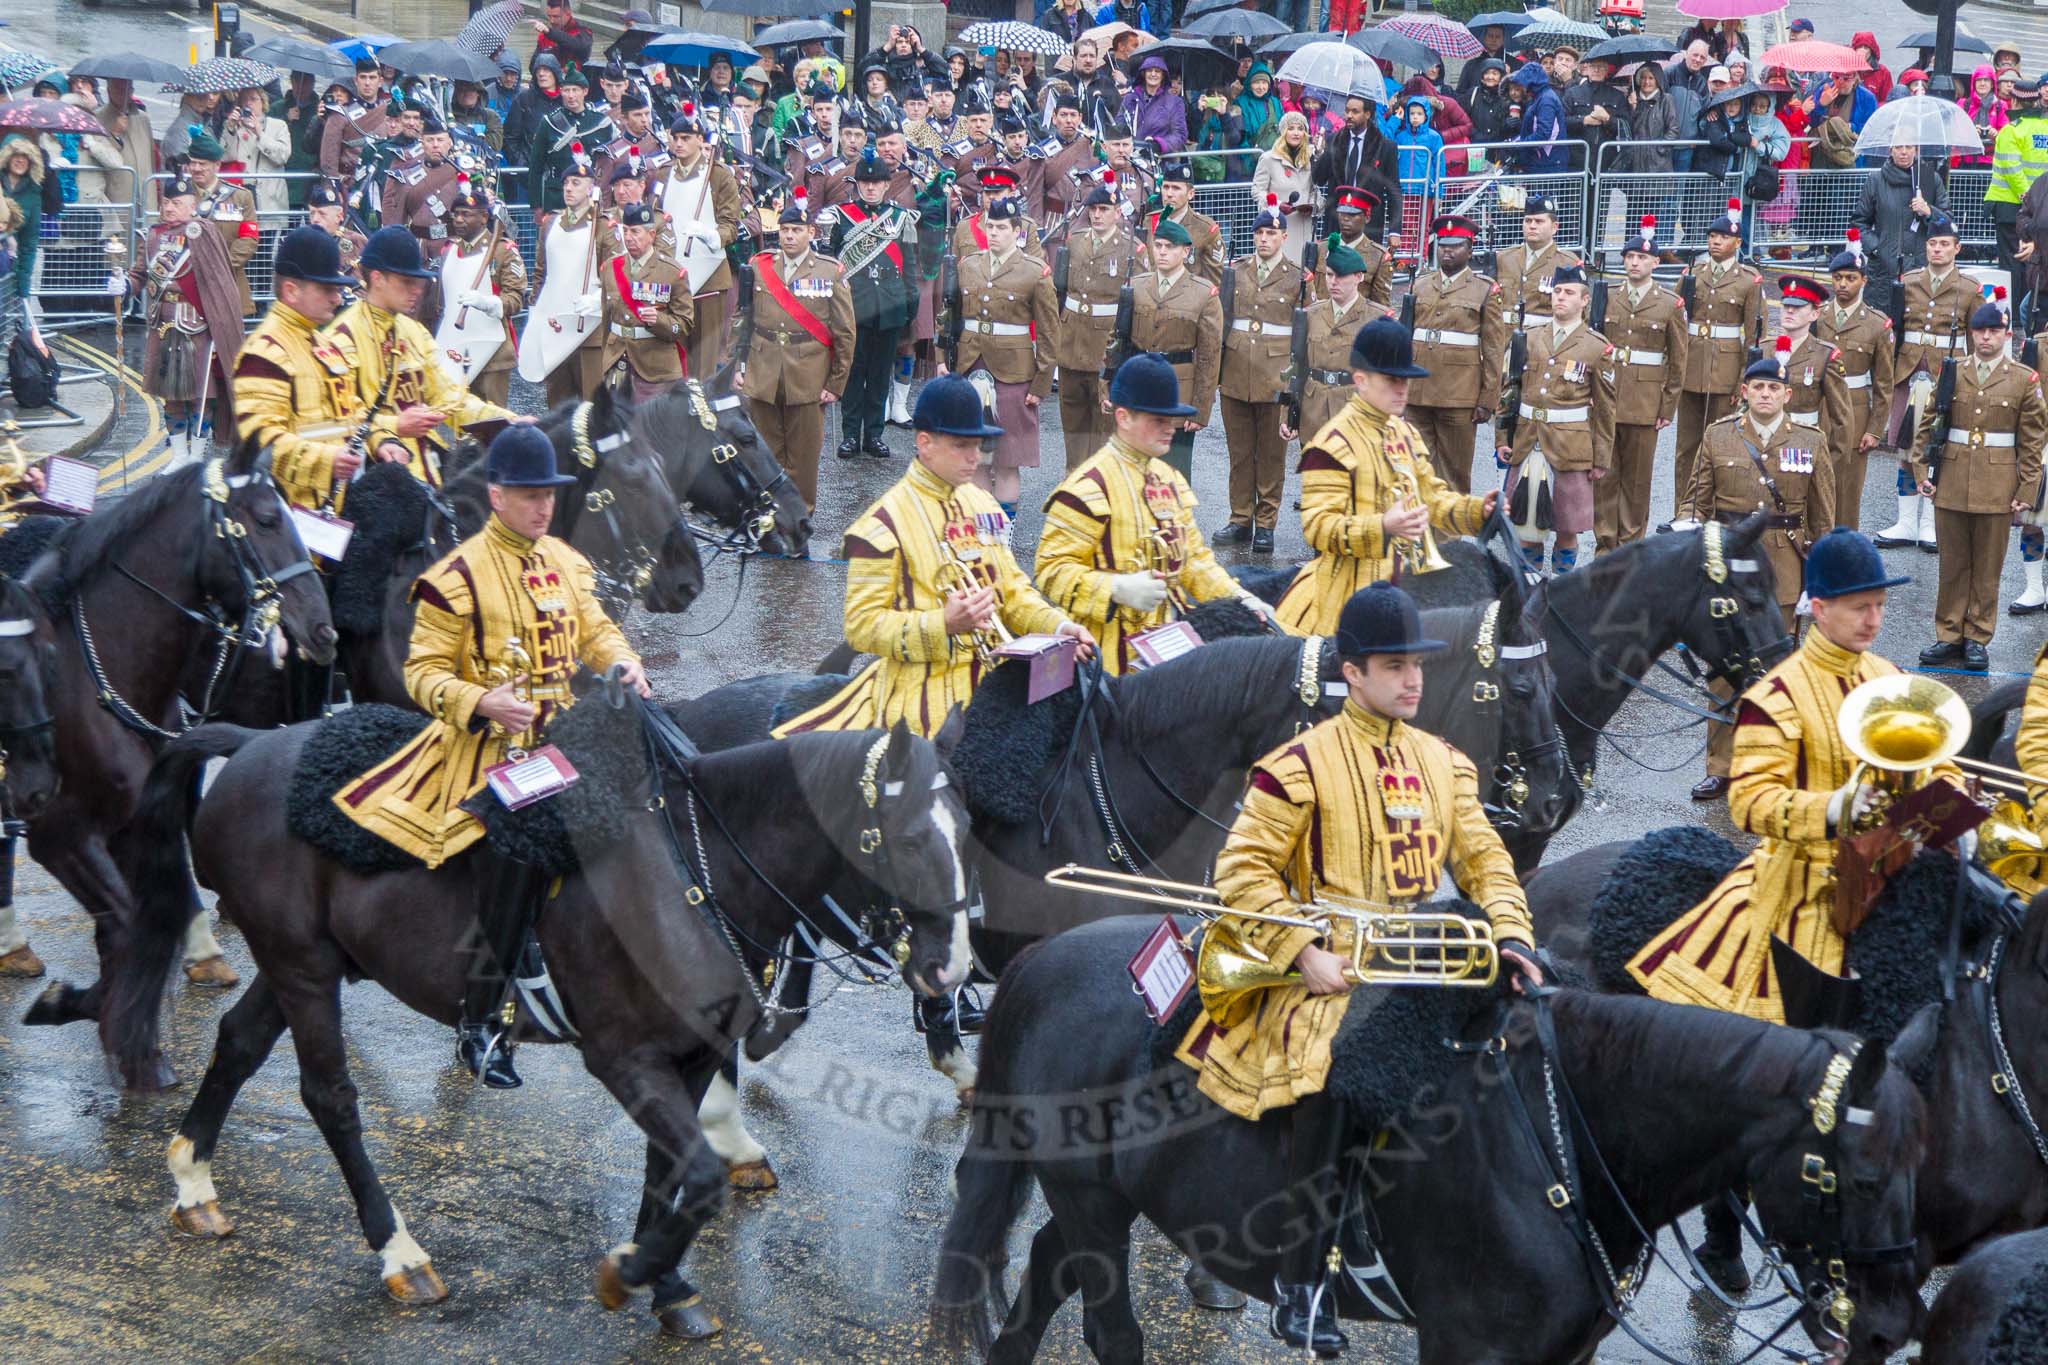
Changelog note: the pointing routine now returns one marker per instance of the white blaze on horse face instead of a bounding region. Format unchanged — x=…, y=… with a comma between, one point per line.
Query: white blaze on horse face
x=949, y=829
x=719, y=1116
x=274, y=646
x=195, y=1178
x=401, y=1253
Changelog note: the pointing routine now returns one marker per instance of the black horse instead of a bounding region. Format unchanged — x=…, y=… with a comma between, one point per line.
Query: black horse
x=28, y=748
x=1994, y=1309
x=203, y=563
x=657, y=984
x=720, y=468
x=1985, y=1168
x=1677, y=1102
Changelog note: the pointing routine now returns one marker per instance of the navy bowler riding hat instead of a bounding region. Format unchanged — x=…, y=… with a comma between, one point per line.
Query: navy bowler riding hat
x=1146, y=383
x=1384, y=346
x=521, y=456
x=1844, y=562
x=951, y=406
x=395, y=251
x=1382, y=619
x=311, y=254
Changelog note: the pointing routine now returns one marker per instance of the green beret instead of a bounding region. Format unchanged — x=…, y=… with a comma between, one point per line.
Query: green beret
x=574, y=76
x=1172, y=232
x=1341, y=259
x=205, y=147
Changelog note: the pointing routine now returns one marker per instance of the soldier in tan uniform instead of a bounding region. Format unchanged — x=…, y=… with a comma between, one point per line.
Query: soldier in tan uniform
x=1257, y=346
x=707, y=192
x=231, y=208
x=417, y=191
x=802, y=348
x=1333, y=324
x=1010, y=320
x=1351, y=208
x=646, y=309
x=1724, y=307
x=1938, y=299
x=1990, y=469
x=1176, y=196
x=499, y=293
x=1864, y=337
x=1567, y=415
x=1525, y=271
x=998, y=183
x=1816, y=386
x=1646, y=326
x=1091, y=267
x=1461, y=336
x=1178, y=314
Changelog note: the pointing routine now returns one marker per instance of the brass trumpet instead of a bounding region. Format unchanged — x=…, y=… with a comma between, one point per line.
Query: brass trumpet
x=1391, y=945
x=14, y=466
x=514, y=666
x=1898, y=727
x=1418, y=556
x=953, y=576
x=1161, y=559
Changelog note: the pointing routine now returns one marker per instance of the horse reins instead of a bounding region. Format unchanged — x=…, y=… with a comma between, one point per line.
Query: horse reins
x=18, y=627
x=624, y=578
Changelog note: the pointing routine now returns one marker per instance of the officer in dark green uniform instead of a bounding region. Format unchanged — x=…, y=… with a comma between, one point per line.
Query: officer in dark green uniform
x=874, y=241
x=568, y=128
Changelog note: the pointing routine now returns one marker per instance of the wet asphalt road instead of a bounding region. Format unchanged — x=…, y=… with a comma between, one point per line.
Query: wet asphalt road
x=516, y=1196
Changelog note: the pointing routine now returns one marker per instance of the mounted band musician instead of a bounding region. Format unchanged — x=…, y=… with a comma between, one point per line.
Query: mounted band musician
x=929, y=578
x=499, y=629
x=1360, y=808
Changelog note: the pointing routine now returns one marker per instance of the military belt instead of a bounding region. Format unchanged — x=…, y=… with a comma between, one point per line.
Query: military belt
x=1437, y=336
x=1624, y=355
x=1778, y=521
x=2002, y=440
x=1093, y=310
x=1333, y=377
x=1717, y=331
x=1179, y=357
x=1936, y=340
x=1004, y=329
x=635, y=333
x=1258, y=328
x=1857, y=381
x=1555, y=415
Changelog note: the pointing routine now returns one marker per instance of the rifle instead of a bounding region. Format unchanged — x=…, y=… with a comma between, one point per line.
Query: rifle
x=1688, y=285
x=1120, y=338
x=1061, y=263
x=1311, y=257
x=952, y=319
x=1227, y=291
x=1944, y=401
x=1297, y=370
x=743, y=328
x=1509, y=419
x=1408, y=310
x=1596, y=314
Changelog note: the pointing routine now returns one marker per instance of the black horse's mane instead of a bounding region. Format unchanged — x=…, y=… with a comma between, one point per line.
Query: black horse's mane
x=821, y=764
x=1158, y=701
x=87, y=549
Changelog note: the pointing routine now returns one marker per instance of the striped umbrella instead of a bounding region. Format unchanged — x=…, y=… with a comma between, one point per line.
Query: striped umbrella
x=1452, y=42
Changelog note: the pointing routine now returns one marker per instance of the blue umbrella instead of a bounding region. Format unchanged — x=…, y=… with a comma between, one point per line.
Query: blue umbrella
x=686, y=48
x=362, y=45
x=1513, y=21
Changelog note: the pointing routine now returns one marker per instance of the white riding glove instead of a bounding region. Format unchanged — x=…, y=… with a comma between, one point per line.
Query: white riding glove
x=1966, y=845
x=1849, y=803
x=484, y=302
x=1138, y=591
x=1258, y=604
x=588, y=305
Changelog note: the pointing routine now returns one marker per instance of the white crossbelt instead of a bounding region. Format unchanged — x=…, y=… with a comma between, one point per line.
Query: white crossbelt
x=1271, y=329
x=1003, y=329
x=1857, y=381
x=2000, y=439
x=1554, y=415
x=1093, y=310
x=1626, y=356
x=1436, y=336
x=1935, y=339
x=1717, y=331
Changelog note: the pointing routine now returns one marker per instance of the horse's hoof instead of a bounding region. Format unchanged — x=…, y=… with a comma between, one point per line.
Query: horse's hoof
x=203, y=1220
x=967, y=1098
x=416, y=1285
x=22, y=962
x=58, y=1004
x=690, y=1320
x=212, y=971
x=612, y=1290
x=1209, y=1292
x=1724, y=1268
x=751, y=1175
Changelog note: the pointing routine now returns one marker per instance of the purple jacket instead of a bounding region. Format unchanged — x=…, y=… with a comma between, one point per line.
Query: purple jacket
x=1161, y=119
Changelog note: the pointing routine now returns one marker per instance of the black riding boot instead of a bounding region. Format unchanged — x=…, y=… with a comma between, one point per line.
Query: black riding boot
x=509, y=897
x=1304, y=1297
x=1720, y=1255
x=309, y=687
x=959, y=1010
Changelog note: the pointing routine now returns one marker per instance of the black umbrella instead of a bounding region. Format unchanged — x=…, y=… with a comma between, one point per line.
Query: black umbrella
x=1197, y=8
x=796, y=31
x=1965, y=42
x=128, y=66
x=1379, y=42
x=1734, y=92
x=1514, y=21
x=438, y=57
x=775, y=9
x=1191, y=56
x=1244, y=24
x=317, y=60
x=1633, y=47
x=1280, y=47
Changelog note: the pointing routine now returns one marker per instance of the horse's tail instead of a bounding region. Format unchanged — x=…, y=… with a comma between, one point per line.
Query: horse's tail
x=1987, y=718
x=151, y=852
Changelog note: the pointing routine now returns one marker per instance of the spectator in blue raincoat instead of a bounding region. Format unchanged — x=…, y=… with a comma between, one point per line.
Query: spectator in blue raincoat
x=1542, y=134
x=1419, y=150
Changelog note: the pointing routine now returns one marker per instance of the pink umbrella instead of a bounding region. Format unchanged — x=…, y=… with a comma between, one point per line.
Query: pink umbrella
x=1452, y=42
x=46, y=116
x=1729, y=9
x=1814, y=56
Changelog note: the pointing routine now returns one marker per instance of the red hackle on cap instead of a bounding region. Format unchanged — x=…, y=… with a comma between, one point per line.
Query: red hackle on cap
x=576, y=149
x=1998, y=293
x=1272, y=200
x=1735, y=206
x=1784, y=344
x=1109, y=177
x=689, y=109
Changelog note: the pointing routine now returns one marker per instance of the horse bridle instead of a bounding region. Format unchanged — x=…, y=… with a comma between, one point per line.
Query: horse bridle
x=623, y=576
x=1819, y=1240
x=1510, y=776
x=260, y=587
x=14, y=628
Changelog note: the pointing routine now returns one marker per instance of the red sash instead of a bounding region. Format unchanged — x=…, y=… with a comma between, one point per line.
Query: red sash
x=633, y=306
x=980, y=237
x=764, y=272
x=892, y=251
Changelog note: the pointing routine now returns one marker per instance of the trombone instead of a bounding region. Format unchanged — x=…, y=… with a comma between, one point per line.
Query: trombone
x=1391, y=945
x=953, y=575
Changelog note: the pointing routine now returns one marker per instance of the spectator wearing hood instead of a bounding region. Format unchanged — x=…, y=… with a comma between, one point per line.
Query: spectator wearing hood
x=1652, y=118
x=1487, y=105
x=531, y=108
x=1493, y=40
x=1877, y=80
x=1987, y=112
x=1418, y=152
x=1155, y=113
x=506, y=88
x=21, y=180
x=1541, y=135
x=1446, y=115
x=1258, y=107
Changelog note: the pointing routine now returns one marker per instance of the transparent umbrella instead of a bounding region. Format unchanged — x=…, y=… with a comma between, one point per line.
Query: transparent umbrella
x=1919, y=121
x=1336, y=68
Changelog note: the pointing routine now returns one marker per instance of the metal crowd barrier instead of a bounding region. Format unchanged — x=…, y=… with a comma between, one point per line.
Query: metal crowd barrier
x=1492, y=194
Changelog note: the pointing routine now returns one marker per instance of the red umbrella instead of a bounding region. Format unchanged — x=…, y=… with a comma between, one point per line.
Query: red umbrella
x=47, y=116
x=1815, y=56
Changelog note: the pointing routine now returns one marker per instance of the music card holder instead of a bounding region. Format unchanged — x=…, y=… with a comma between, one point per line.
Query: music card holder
x=1170, y=641
x=1162, y=971
x=1931, y=816
x=324, y=533
x=70, y=486
x=521, y=780
x=1051, y=658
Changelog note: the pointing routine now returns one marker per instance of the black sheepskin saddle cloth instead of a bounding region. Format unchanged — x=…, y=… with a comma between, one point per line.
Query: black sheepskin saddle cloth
x=389, y=508
x=25, y=543
x=2020, y=1337
x=1394, y=1045
x=1897, y=951
x=605, y=745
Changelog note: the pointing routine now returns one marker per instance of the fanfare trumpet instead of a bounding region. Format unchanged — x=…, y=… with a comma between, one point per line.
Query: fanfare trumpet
x=514, y=666
x=1418, y=556
x=954, y=576
x=1391, y=945
x=1161, y=558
